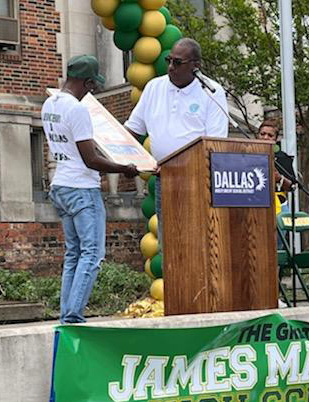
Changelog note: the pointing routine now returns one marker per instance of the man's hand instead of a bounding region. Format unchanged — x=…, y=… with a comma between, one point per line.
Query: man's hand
x=130, y=170
x=282, y=183
x=277, y=176
x=157, y=171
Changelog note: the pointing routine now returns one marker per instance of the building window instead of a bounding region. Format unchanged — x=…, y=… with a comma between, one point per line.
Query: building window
x=127, y=60
x=7, y=8
x=37, y=164
x=9, y=25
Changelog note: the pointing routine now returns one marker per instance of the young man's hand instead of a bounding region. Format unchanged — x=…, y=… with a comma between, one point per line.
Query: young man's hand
x=130, y=170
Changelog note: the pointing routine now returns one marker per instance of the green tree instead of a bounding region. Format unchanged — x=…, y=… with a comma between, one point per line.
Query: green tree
x=241, y=50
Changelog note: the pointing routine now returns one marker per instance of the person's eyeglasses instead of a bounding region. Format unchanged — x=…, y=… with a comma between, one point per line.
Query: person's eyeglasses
x=176, y=62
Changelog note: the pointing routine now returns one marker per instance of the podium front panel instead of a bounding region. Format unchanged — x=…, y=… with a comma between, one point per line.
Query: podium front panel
x=215, y=258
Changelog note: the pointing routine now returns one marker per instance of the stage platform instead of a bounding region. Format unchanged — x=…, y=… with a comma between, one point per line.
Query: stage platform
x=26, y=349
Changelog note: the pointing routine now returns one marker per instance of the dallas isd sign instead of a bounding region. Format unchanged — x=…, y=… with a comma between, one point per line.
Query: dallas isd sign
x=239, y=180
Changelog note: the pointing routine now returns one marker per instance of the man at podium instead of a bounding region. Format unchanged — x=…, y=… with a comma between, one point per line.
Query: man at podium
x=179, y=107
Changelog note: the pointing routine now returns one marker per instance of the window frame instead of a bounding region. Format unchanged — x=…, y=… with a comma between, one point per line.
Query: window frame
x=11, y=9
x=14, y=48
x=39, y=180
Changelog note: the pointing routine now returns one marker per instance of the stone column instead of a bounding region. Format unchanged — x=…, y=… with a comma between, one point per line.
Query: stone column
x=109, y=56
x=16, y=198
x=51, y=166
x=140, y=186
x=113, y=179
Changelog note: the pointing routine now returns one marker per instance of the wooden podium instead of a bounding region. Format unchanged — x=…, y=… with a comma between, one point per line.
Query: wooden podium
x=215, y=258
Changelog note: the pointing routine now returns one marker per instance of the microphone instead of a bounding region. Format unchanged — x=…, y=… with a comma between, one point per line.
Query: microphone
x=203, y=80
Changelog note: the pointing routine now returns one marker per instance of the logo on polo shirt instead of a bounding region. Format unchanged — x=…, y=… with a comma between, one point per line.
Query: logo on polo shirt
x=194, y=107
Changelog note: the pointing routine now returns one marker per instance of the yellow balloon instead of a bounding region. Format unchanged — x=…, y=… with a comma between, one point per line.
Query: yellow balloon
x=147, y=49
x=135, y=95
x=147, y=269
x=146, y=144
x=153, y=225
x=153, y=23
x=149, y=245
x=139, y=74
x=152, y=4
x=145, y=176
x=157, y=289
x=109, y=23
x=104, y=8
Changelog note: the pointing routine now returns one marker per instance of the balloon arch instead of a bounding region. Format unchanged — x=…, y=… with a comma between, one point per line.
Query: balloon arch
x=143, y=27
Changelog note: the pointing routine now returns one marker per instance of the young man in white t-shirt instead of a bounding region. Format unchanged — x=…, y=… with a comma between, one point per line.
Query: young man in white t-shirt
x=75, y=188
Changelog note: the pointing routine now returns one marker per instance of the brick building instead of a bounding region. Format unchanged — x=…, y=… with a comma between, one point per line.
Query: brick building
x=36, y=40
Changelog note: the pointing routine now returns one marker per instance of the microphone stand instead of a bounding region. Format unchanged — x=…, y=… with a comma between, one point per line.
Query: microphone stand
x=296, y=271
x=293, y=243
x=295, y=181
x=230, y=119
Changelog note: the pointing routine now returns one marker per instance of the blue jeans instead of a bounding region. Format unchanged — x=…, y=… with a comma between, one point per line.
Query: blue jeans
x=83, y=219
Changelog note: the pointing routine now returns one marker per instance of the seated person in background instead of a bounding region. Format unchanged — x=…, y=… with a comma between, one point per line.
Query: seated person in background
x=269, y=131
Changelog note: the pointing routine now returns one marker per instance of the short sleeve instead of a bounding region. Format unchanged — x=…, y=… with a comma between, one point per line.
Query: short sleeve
x=80, y=123
x=137, y=120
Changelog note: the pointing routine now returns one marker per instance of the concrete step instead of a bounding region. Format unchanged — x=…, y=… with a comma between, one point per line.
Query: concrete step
x=26, y=350
x=20, y=311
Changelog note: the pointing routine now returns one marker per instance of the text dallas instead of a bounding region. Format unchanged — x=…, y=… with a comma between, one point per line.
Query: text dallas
x=234, y=182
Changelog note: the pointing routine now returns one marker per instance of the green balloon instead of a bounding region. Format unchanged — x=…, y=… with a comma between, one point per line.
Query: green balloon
x=125, y=40
x=128, y=17
x=151, y=185
x=148, y=207
x=160, y=64
x=166, y=14
x=156, y=266
x=170, y=35
x=141, y=138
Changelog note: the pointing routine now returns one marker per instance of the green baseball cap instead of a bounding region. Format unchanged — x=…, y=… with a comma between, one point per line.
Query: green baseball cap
x=84, y=67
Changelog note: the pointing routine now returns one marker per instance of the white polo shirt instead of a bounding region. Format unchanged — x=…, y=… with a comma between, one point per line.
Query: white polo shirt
x=174, y=116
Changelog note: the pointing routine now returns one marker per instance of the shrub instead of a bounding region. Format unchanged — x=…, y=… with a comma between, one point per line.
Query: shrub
x=116, y=287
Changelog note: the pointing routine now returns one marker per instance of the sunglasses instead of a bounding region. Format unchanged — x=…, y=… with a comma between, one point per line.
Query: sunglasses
x=176, y=62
